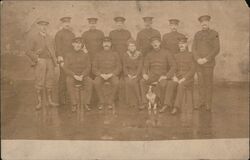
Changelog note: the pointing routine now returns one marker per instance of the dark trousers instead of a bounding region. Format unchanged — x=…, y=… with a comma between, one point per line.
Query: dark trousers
x=176, y=92
x=62, y=87
x=132, y=92
x=170, y=93
x=103, y=91
x=205, y=83
x=85, y=89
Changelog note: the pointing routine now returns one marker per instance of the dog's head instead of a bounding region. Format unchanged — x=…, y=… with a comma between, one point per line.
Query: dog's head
x=150, y=94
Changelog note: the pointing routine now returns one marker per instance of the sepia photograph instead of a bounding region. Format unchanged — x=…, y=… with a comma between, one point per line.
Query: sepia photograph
x=124, y=71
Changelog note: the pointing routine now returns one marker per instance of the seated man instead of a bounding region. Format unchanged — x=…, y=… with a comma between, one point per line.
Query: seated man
x=184, y=76
x=159, y=67
x=132, y=66
x=77, y=67
x=106, y=68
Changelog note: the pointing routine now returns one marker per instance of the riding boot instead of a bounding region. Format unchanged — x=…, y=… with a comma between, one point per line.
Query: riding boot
x=50, y=101
x=39, y=98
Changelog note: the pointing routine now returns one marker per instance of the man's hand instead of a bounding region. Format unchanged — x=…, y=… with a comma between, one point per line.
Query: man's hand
x=81, y=77
x=131, y=76
x=175, y=79
x=104, y=76
x=109, y=75
x=181, y=80
x=162, y=78
x=145, y=76
x=60, y=59
x=77, y=77
x=61, y=64
x=204, y=60
x=200, y=61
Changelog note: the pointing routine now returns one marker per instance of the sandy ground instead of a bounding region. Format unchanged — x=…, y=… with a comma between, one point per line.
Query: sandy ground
x=229, y=119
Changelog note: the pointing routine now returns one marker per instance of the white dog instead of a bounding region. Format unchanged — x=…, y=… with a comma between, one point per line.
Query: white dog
x=153, y=100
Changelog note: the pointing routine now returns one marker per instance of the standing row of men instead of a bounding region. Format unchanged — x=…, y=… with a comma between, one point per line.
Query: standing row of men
x=157, y=58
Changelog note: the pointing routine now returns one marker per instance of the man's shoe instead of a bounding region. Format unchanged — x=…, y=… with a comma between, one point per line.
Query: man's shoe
x=53, y=104
x=100, y=107
x=174, y=111
x=208, y=108
x=143, y=106
x=87, y=107
x=198, y=106
x=73, y=108
x=38, y=106
x=110, y=106
x=163, y=109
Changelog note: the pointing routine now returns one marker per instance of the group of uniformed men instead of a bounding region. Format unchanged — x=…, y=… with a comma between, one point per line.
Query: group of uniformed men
x=165, y=63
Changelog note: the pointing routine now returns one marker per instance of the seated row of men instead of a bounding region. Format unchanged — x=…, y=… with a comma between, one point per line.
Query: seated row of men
x=160, y=68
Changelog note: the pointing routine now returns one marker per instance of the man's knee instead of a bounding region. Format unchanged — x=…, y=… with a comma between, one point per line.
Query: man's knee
x=97, y=81
x=172, y=84
x=142, y=82
x=88, y=82
x=115, y=81
x=163, y=83
x=181, y=86
x=130, y=82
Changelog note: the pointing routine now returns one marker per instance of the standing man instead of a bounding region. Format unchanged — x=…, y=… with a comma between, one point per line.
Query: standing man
x=93, y=38
x=159, y=67
x=40, y=49
x=143, y=39
x=120, y=36
x=106, y=68
x=206, y=47
x=63, y=40
x=170, y=40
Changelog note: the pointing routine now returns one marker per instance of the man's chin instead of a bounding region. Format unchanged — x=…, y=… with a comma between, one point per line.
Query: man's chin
x=204, y=27
x=106, y=48
x=156, y=48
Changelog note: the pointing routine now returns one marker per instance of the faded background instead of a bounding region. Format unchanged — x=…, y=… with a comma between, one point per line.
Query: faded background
x=229, y=18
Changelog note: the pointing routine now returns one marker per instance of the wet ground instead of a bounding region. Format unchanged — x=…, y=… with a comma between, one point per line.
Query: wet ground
x=229, y=119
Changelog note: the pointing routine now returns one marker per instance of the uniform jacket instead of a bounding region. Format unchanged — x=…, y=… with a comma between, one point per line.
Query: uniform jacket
x=63, y=41
x=132, y=64
x=206, y=45
x=77, y=63
x=143, y=39
x=93, y=41
x=119, y=40
x=185, y=65
x=170, y=41
x=159, y=63
x=106, y=62
x=39, y=45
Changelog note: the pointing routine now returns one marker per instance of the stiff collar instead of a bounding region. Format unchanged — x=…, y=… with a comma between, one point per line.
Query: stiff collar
x=157, y=50
x=135, y=55
x=43, y=34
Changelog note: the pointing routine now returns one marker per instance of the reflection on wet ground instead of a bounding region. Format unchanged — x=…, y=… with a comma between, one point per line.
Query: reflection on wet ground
x=229, y=119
